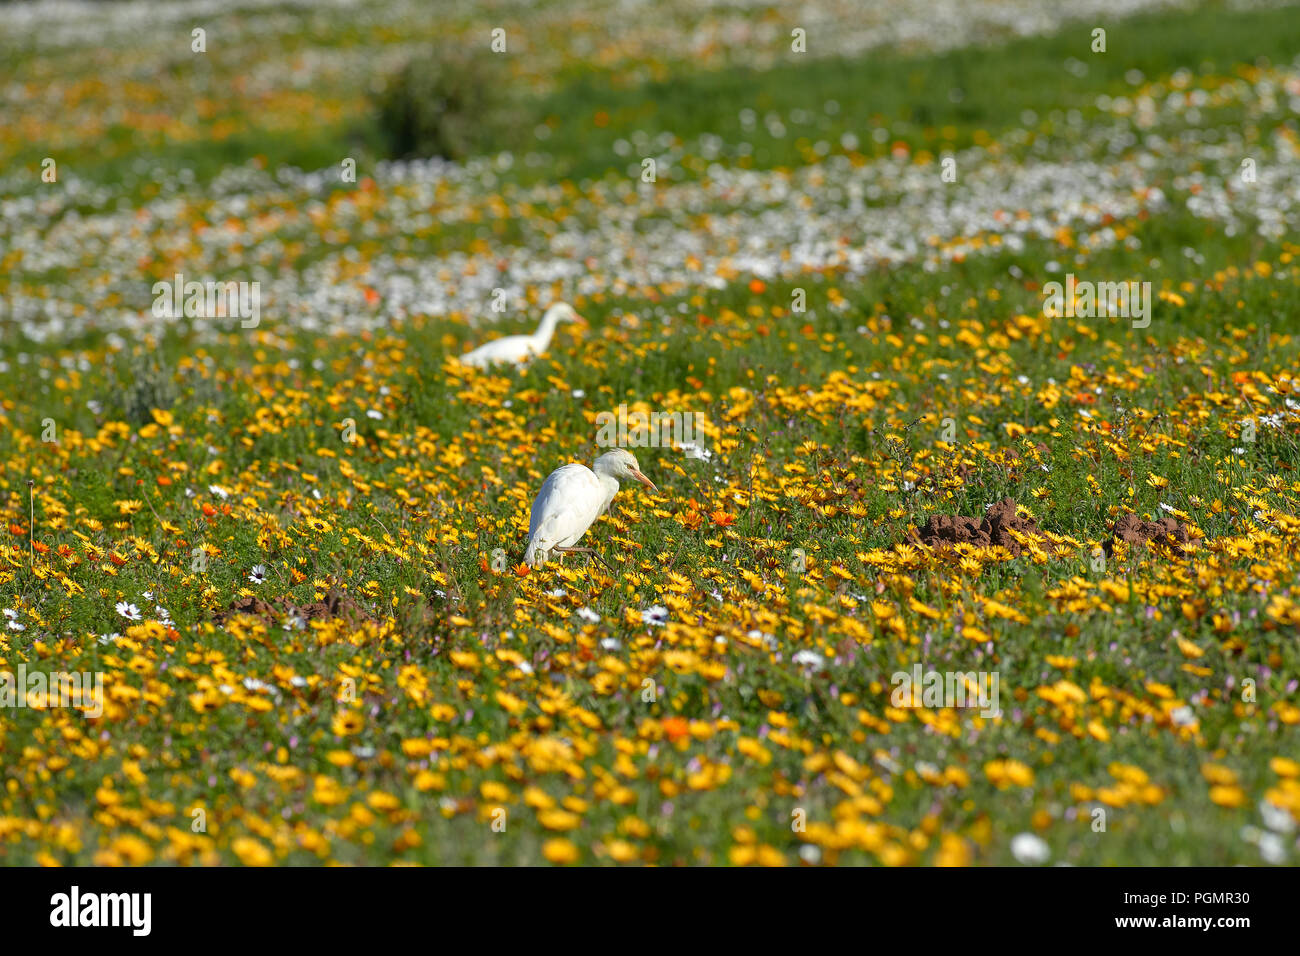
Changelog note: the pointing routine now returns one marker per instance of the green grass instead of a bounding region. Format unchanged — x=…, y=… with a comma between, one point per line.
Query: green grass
x=911, y=96
x=446, y=476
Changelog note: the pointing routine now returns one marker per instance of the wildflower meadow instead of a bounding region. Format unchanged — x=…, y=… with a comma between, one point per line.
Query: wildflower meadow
x=956, y=347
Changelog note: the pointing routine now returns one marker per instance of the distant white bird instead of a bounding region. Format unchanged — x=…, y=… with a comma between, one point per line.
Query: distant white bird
x=520, y=348
x=572, y=498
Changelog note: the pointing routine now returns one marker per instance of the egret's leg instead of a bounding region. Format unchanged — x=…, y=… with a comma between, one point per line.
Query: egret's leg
x=590, y=551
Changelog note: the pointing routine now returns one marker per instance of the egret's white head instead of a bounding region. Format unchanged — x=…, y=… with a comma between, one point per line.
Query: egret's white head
x=620, y=464
x=563, y=312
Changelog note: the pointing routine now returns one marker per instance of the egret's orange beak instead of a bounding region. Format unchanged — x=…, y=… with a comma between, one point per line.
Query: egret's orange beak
x=582, y=320
x=644, y=480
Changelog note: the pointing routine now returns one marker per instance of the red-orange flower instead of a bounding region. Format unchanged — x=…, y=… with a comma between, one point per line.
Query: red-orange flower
x=675, y=728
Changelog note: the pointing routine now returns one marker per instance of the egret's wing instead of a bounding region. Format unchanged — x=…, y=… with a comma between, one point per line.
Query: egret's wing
x=511, y=348
x=566, y=506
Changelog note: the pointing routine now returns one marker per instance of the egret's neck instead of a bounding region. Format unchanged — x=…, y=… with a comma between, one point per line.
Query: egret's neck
x=542, y=337
x=608, y=484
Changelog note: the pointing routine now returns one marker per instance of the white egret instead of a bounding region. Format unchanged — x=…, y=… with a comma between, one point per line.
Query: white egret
x=520, y=348
x=572, y=498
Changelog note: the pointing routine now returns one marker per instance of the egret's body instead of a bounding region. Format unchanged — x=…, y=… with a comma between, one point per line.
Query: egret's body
x=572, y=498
x=515, y=349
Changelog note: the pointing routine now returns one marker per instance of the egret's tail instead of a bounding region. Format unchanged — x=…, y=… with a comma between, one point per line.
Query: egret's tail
x=536, y=553
x=540, y=541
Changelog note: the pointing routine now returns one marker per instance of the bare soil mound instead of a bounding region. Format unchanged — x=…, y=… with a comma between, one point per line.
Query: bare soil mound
x=334, y=605
x=993, y=530
x=1131, y=529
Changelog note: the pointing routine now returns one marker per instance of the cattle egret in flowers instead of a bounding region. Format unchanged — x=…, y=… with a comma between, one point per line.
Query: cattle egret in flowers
x=572, y=498
x=520, y=348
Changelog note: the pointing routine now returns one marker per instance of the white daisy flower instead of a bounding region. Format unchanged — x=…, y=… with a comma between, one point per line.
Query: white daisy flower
x=809, y=660
x=655, y=616
x=1029, y=849
x=1271, y=848
x=889, y=763
x=694, y=450
x=1275, y=818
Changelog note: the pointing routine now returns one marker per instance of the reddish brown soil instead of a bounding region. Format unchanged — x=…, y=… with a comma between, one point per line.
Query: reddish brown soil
x=992, y=530
x=1131, y=529
x=334, y=605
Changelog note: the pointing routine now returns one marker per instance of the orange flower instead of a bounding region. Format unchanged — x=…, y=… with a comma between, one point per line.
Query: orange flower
x=722, y=519
x=521, y=570
x=757, y=286
x=675, y=728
